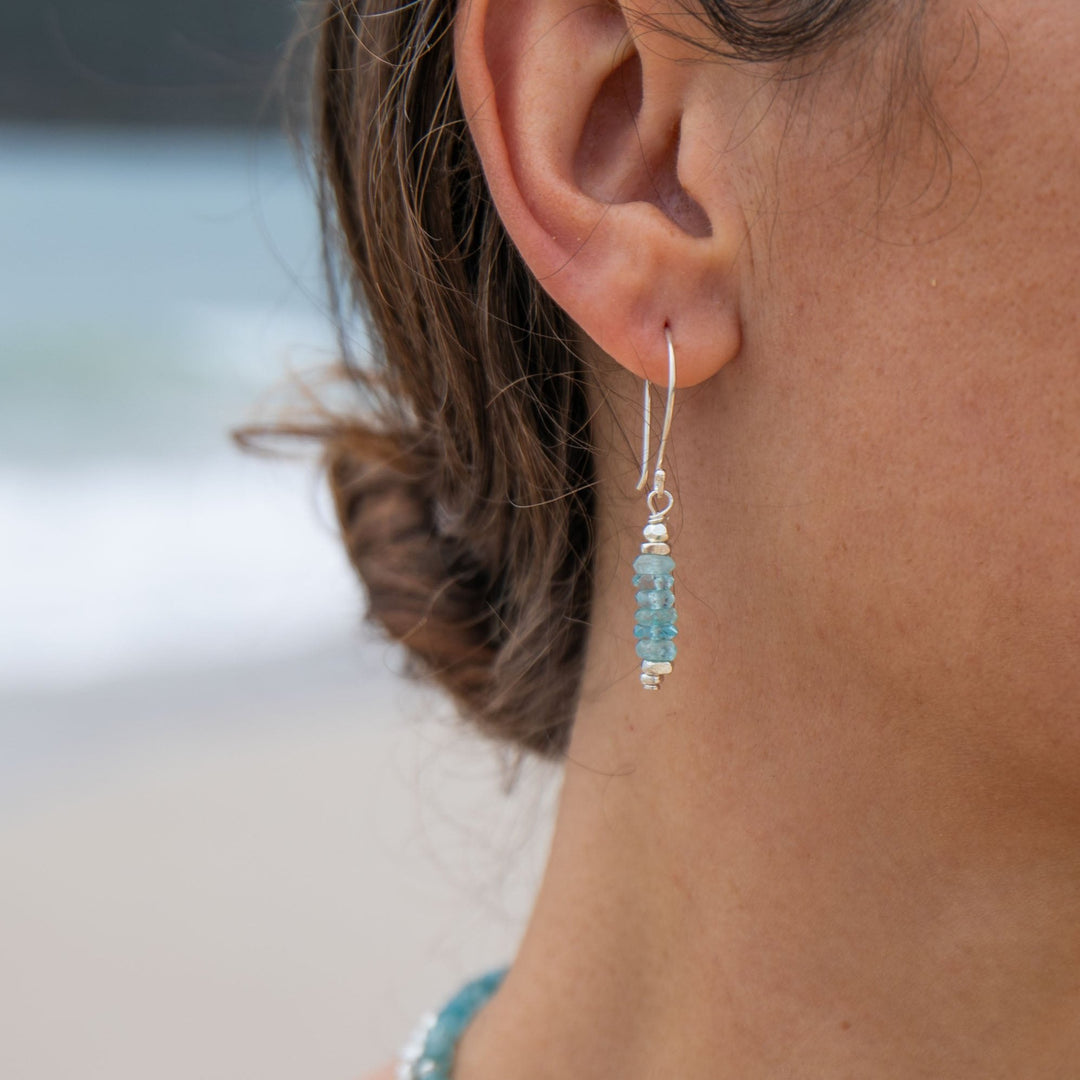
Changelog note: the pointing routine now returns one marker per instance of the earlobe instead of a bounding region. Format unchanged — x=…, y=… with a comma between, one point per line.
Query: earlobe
x=579, y=122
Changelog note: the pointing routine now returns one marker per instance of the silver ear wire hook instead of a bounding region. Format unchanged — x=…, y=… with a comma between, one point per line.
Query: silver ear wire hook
x=646, y=434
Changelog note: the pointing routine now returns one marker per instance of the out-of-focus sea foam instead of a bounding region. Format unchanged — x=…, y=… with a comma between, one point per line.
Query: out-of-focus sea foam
x=111, y=569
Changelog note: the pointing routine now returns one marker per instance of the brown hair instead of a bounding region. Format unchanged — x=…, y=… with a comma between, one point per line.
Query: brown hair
x=465, y=490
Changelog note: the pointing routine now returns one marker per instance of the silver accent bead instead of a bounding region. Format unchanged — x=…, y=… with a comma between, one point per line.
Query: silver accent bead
x=655, y=667
x=412, y=1053
x=655, y=533
x=650, y=682
x=655, y=549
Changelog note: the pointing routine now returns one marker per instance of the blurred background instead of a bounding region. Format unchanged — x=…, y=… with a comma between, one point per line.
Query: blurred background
x=233, y=842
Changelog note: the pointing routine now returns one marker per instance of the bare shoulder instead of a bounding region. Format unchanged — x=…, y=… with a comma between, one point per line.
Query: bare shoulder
x=385, y=1073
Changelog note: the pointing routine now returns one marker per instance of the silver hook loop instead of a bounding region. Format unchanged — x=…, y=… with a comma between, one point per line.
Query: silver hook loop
x=658, y=513
x=669, y=406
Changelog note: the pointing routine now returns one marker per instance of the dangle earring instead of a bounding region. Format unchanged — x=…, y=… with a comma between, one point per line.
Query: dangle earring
x=654, y=568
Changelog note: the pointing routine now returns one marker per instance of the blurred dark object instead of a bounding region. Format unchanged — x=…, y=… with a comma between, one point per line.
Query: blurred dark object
x=183, y=62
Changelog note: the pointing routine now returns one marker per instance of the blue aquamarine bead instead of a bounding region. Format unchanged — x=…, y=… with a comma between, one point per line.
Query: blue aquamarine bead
x=655, y=598
x=656, y=616
x=442, y=1038
x=653, y=581
x=657, y=651
x=655, y=633
x=654, y=564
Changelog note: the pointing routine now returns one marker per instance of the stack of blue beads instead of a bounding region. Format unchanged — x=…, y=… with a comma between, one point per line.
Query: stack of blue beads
x=656, y=616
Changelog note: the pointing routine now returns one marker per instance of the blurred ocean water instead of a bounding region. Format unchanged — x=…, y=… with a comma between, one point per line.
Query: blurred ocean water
x=152, y=287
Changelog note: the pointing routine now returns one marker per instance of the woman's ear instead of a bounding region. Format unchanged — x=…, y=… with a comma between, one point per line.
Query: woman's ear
x=579, y=114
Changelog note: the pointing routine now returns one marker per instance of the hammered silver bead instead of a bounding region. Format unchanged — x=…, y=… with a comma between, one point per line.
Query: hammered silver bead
x=412, y=1053
x=655, y=667
x=656, y=549
x=655, y=533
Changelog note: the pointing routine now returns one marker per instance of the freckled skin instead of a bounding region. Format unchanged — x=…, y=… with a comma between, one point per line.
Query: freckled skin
x=907, y=438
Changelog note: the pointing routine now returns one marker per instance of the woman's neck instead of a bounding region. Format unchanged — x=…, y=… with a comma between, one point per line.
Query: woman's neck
x=796, y=860
x=739, y=888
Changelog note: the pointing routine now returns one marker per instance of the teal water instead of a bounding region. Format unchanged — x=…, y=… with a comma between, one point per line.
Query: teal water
x=151, y=289
x=148, y=285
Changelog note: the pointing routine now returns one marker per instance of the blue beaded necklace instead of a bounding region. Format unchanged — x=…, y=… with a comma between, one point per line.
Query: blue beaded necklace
x=429, y=1053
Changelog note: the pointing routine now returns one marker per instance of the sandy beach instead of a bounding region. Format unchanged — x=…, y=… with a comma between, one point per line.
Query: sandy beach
x=266, y=871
